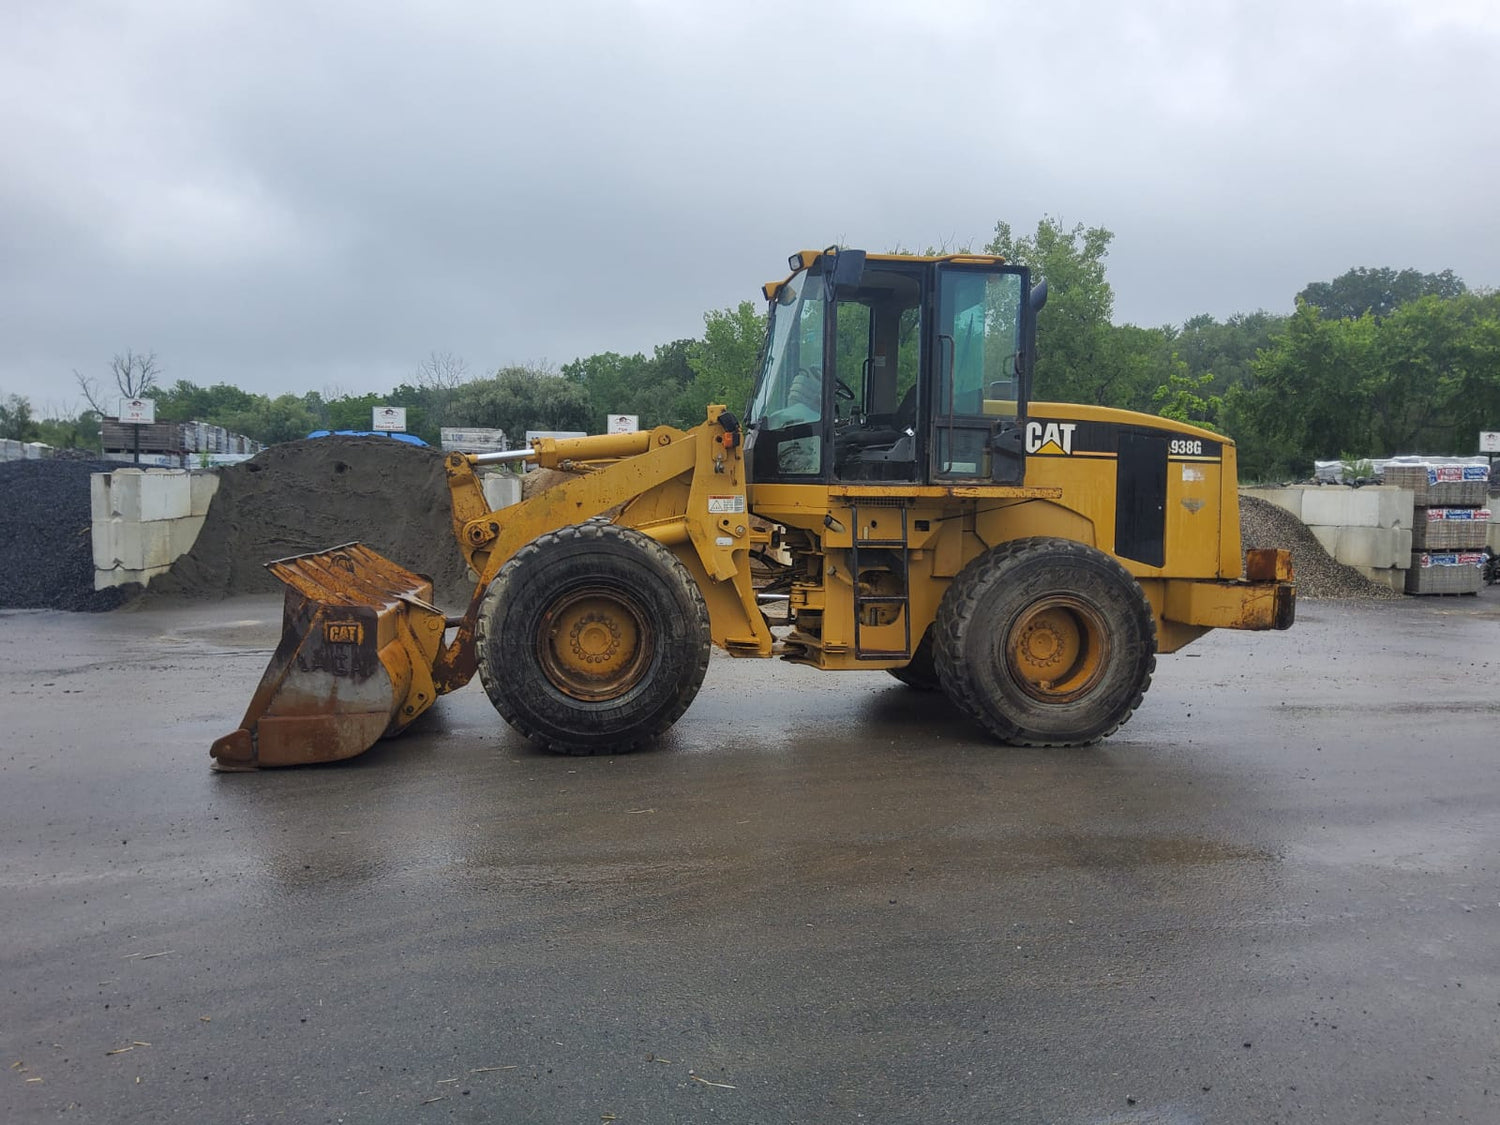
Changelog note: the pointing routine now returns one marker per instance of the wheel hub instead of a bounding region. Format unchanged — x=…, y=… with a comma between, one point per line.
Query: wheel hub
x=595, y=643
x=595, y=639
x=1058, y=649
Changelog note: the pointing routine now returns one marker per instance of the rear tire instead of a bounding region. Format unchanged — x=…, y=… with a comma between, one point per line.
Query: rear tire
x=920, y=674
x=593, y=639
x=1046, y=642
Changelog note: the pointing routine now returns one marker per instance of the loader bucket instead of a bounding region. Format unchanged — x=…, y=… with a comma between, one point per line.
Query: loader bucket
x=359, y=638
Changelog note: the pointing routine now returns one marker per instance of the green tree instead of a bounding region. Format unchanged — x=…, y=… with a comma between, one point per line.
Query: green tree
x=724, y=361
x=1436, y=382
x=78, y=432
x=185, y=401
x=1187, y=398
x=614, y=384
x=16, y=422
x=1378, y=291
x=1311, y=398
x=517, y=399
x=1226, y=349
x=1076, y=360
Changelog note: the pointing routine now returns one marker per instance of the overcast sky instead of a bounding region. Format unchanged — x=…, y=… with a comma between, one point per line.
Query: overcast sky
x=315, y=196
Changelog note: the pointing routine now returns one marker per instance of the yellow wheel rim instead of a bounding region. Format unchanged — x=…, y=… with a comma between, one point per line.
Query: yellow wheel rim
x=1058, y=649
x=595, y=643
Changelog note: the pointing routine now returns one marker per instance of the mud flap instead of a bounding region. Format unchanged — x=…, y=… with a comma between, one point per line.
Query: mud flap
x=359, y=638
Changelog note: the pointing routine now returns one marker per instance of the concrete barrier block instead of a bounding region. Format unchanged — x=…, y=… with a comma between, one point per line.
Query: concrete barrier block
x=1391, y=576
x=203, y=483
x=104, y=540
x=121, y=576
x=1328, y=506
x=166, y=494
x=1287, y=499
x=1328, y=537
x=1370, y=547
x=1358, y=507
x=139, y=546
x=1386, y=506
x=125, y=494
x=99, y=496
x=184, y=533
x=501, y=489
x=1403, y=546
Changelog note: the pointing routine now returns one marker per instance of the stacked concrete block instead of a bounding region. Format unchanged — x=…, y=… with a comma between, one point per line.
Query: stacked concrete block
x=1451, y=526
x=144, y=520
x=1445, y=572
x=1451, y=529
x=1442, y=486
x=1369, y=529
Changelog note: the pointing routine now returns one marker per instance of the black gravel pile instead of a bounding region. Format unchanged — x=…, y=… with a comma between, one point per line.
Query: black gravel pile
x=1319, y=575
x=46, y=551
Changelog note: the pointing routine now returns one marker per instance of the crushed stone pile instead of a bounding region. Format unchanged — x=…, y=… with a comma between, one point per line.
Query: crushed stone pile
x=1318, y=574
x=46, y=549
x=310, y=495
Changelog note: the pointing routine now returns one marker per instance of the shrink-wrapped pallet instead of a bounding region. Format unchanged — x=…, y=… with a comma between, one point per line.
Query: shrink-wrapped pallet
x=1450, y=529
x=1441, y=486
x=1452, y=572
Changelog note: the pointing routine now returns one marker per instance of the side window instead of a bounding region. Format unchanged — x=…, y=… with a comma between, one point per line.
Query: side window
x=805, y=391
x=852, y=353
x=909, y=353
x=977, y=341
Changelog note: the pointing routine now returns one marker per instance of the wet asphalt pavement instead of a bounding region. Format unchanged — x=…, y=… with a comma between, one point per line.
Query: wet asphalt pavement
x=1274, y=896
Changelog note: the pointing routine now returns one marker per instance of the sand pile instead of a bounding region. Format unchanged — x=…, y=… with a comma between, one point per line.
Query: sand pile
x=309, y=495
x=1318, y=574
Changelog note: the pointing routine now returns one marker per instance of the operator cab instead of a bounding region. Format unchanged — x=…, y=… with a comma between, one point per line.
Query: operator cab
x=894, y=368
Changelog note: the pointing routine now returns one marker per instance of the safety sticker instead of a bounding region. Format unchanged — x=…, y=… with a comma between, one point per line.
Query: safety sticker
x=725, y=505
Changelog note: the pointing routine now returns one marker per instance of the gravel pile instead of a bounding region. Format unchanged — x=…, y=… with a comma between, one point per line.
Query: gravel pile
x=1263, y=524
x=46, y=551
x=310, y=495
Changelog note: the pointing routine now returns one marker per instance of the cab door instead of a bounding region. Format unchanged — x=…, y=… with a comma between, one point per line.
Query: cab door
x=978, y=364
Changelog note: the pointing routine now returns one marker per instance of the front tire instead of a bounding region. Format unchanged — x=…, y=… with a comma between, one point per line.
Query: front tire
x=1046, y=642
x=593, y=639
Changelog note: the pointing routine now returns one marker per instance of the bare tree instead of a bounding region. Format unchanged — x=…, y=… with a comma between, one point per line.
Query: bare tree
x=443, y=371
x=136, y=374
x=438, y=377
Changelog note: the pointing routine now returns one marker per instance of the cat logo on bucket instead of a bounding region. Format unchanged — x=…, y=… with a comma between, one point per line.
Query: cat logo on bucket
x=1050, y=437
x=343, y=632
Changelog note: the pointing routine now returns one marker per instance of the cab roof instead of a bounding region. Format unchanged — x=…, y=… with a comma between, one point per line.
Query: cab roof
x=803, y=259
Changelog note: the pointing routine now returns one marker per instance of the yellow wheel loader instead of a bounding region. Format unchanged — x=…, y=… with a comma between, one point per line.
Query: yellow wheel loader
x=919, y=515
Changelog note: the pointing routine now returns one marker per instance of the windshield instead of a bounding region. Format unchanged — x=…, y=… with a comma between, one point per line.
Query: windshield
x=790, y=389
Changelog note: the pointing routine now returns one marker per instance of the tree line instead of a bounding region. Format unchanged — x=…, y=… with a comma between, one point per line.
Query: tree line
x=1375, y=362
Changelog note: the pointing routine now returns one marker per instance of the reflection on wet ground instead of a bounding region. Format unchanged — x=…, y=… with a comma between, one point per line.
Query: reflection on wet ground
x=1272, y=896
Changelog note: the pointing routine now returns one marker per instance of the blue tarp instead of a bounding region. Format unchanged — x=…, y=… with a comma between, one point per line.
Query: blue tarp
x=410, y=439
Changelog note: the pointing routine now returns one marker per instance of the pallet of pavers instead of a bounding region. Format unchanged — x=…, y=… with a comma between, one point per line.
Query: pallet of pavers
x=1441, y=486
x=1450, y=529
x=1445, y=572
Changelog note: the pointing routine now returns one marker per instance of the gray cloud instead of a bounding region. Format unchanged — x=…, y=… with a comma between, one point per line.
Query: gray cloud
x=295, y=197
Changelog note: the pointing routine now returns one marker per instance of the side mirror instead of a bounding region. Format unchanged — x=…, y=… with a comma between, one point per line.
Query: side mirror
x=1038, y=295
x=848, y=268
